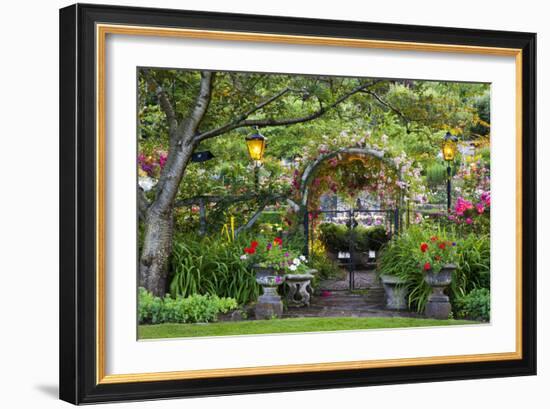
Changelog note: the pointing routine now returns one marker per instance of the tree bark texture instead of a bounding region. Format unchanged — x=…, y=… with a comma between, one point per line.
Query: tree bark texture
x=157, y=247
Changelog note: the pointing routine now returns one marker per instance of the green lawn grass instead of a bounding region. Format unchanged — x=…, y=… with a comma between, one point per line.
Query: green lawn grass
x=287, y=325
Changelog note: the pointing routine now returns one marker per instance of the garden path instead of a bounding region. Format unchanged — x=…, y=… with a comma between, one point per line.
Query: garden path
x=363, y=279
x=333, y=299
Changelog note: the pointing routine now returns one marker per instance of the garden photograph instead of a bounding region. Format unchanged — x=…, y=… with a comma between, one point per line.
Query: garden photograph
x=276, y=203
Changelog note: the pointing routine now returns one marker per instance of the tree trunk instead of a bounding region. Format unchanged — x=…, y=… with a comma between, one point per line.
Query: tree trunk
x=159, y=222
x=157, y=247
x=159, y=226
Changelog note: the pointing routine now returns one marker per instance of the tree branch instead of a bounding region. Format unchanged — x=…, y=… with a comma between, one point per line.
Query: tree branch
x=182, y=145
x=386, y=104
x=252, y=220
x=164, y=101
x=241, y=121
x=189, y=126
x=213, y=199
x=226, y=199
x=266, y=102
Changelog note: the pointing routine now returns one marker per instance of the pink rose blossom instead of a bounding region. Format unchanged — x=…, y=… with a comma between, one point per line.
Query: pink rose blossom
x=480, y=208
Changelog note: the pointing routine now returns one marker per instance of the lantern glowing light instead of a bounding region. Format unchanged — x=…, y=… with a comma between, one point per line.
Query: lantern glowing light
x=449, y=147
x=256, y=146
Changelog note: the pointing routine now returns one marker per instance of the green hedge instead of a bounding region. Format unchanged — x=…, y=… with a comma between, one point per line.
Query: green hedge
x=337, y=237
x=195, y=308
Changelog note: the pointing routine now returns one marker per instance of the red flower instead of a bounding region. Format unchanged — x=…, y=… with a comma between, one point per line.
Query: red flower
x=433, y=238
x=442, y=246
x=278, y=241
x=254, y=244
x=250, y=250
x=427, y=266
x=423, y=247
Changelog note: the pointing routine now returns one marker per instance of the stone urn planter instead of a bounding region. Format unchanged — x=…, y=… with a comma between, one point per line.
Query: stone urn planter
x=396, y=292
x=299, y=288
x=269, y=304
x=438, y=305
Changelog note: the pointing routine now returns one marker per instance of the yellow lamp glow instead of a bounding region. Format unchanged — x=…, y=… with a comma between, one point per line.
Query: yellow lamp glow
x=449, y=147
x=256, y=146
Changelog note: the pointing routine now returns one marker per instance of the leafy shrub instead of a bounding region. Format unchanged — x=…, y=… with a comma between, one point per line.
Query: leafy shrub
x=271, y=217
x=476, y=305
x=377, y=237
x=334, y=236
x=436, y=174
x=211, y=265
x=318, y=259
x=337, y=237
x=149, y=307
x=360, y=238
x=195, y=308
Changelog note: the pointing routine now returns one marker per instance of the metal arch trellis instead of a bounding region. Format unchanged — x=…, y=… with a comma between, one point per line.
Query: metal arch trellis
x=312, y=168
x=391, y=216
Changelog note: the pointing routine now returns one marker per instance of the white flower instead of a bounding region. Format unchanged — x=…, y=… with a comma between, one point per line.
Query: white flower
x=243, y=257
x=293, y=267
x=146, y=183
x=303, y=258
x=296, y=261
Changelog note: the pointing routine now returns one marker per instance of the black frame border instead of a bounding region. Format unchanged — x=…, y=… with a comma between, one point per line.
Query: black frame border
x=78, y=197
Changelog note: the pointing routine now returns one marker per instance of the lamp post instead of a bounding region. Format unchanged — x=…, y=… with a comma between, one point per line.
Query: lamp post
x=448, y=149
x=256, y=147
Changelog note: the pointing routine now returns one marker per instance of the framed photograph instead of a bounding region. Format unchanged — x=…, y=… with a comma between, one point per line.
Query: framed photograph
x=257, y=203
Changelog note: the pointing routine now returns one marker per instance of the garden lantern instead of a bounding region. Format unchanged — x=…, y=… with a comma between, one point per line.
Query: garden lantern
x=449, y=149
x=256, y=147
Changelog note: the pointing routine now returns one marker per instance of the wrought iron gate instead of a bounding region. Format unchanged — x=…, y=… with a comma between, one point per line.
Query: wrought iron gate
x=350, y=259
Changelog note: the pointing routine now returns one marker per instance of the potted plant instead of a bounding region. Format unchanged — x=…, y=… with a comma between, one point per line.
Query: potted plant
x=438, y=259
x=272, y=262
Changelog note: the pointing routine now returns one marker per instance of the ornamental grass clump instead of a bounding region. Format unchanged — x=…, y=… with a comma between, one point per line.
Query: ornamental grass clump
x=211, y=265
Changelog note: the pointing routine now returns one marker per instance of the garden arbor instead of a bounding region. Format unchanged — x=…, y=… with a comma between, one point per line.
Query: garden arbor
x=351, y=154
x=355, y=169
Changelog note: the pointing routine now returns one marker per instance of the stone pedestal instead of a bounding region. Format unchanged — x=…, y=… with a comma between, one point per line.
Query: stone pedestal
x=299, y=289
x=396, y=293
x=269, y=304
x=438, y=305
